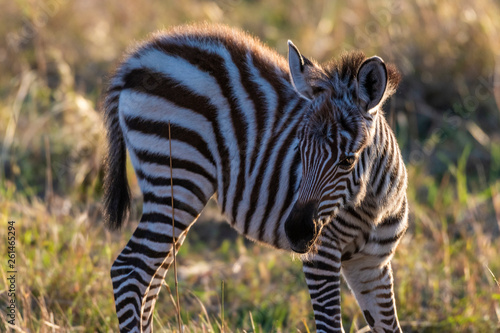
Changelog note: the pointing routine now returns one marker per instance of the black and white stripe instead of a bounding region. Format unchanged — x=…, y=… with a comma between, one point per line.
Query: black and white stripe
x=247, y=127
x=351, y=210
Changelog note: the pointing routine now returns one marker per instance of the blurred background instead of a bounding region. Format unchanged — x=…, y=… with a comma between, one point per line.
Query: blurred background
x=55, y=57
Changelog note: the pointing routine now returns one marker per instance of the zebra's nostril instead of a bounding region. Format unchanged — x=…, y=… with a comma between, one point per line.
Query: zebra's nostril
x=300, y=227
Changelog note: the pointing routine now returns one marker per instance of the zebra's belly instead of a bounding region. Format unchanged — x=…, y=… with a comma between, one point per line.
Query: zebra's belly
x=263, y=220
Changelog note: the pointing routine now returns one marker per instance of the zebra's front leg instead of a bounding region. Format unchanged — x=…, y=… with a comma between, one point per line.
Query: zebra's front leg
x=140, y=268
x=322, y=274
x=372, y=285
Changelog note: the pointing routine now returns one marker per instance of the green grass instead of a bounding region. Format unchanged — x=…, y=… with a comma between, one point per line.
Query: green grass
x=445, y=115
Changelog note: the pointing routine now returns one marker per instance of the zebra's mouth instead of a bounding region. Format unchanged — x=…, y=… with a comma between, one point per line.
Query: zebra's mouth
x=301, y=228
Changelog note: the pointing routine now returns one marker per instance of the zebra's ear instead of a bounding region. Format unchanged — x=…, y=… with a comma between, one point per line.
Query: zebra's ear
x=372, y=84
x=298, y=71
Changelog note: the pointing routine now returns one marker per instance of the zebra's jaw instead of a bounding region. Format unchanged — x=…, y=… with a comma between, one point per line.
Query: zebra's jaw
x=301, y=227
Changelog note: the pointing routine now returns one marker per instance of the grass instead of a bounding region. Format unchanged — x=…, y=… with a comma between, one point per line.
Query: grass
x=445, y=114
x=444, y=272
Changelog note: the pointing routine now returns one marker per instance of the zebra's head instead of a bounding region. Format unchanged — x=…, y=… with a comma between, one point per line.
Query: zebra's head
x=345, y=99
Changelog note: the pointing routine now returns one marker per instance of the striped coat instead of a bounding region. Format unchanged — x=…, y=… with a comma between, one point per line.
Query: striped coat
x=245, y=127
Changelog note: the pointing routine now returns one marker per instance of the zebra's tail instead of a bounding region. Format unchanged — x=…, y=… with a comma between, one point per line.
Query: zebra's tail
x=116, y=188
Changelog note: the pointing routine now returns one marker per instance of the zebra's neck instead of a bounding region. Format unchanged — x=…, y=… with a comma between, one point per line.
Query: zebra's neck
x=386, y=176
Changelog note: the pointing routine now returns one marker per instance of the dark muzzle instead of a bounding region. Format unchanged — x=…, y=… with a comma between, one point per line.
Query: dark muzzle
x=300, y=228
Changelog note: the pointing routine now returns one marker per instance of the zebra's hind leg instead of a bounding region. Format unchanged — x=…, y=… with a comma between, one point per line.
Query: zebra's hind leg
x=372, y=284
x=151, y=294
x=322, y=274
x=140, y=268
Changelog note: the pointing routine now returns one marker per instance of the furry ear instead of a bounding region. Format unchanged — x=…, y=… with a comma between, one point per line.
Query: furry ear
x=372, y=84
x=298, y=71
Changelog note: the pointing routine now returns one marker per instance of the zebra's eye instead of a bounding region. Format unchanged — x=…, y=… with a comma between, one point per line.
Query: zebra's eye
x=347, y=162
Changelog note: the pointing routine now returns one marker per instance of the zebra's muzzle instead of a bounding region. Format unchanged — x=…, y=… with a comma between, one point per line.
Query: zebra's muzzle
x=301, y=228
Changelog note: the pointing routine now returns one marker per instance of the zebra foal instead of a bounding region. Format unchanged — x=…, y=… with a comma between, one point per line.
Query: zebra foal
x=299, y=156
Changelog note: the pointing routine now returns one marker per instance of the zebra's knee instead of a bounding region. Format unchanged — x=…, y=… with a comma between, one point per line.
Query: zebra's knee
x=119, y=272
x=129, y=284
